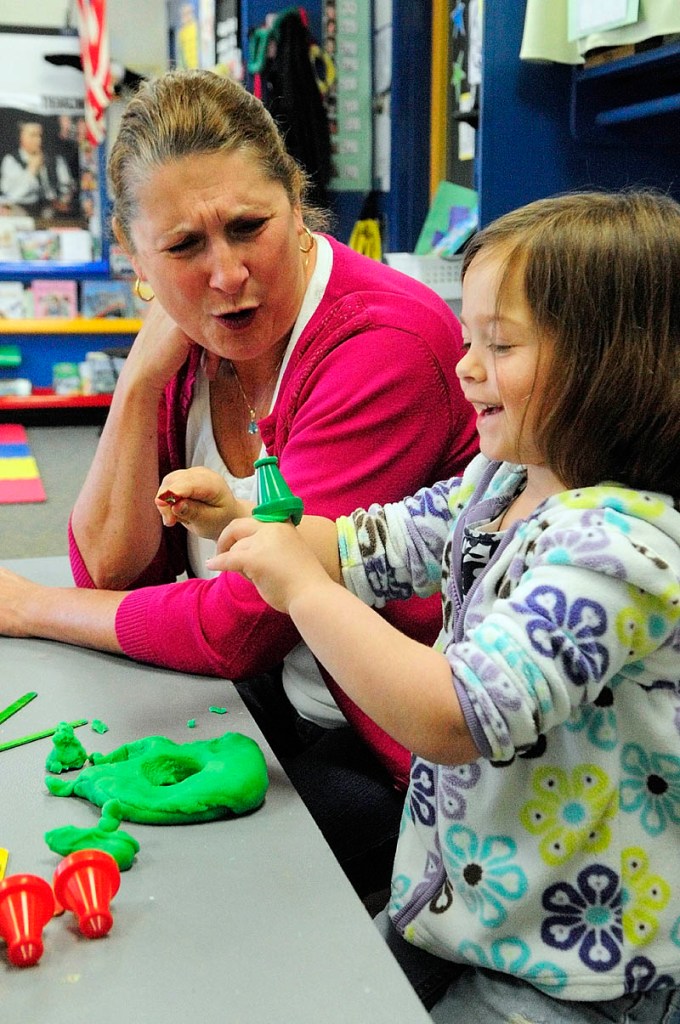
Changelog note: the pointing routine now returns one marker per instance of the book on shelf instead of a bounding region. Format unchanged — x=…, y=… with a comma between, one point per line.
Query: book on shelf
x=9, y=241
x=13, y=305
x=120, y=262
x=452, y=218
x=106, y=299
x=55, y=298
x=39, y=245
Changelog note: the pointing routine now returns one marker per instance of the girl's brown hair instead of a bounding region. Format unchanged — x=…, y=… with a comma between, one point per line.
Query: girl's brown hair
x=601, y=274
x=182, y=113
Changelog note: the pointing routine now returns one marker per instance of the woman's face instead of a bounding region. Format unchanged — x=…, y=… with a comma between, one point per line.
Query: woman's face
x=219, y=244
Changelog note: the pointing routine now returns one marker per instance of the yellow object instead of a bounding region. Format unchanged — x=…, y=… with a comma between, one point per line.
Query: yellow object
x=4, y=857
x=79, y=325
x=20, y=468
x=438, y=92
x=324, y=68
x=365, y=238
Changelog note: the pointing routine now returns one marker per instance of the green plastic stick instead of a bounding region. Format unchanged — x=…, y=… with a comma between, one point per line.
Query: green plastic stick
x=40, y=735
x=12, y=709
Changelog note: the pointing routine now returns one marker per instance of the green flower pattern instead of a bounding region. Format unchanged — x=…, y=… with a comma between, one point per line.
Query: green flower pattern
x=571, y=812
x=644, y=896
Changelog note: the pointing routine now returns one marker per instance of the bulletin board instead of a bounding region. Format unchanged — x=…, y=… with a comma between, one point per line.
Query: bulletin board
x=457, y=77
x=348, y=41
x=52, y=194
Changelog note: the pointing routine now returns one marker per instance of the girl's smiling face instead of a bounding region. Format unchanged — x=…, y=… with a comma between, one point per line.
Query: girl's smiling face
x=505, y=362
x=219, y=244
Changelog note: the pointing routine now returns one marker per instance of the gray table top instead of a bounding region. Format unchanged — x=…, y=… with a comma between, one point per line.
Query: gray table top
x=241, y=921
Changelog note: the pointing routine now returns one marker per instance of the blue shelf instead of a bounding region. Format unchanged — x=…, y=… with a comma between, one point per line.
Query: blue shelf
x=638, y=111
x=45, y=342
x=56, y=271
x=629, y=101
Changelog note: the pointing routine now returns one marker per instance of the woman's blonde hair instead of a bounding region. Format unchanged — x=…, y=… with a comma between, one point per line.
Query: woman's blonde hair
x=601, y=276
x=182, y=113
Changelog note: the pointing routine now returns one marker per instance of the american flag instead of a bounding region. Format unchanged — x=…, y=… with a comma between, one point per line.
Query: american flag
x=94, y=52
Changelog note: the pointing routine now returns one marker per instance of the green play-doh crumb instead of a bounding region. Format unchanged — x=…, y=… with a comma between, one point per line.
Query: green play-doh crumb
x=191, y=724
x=218, y=711
x=98, y=726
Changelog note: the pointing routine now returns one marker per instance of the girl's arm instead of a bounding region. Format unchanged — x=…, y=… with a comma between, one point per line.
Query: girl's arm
x=404, y=686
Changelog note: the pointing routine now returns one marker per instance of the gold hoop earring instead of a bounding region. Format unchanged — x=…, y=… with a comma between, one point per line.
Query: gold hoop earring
x=310, y=236
x=147, y=296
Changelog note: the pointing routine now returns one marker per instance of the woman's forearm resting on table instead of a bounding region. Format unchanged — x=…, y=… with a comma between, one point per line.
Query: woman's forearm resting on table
x=85, y=618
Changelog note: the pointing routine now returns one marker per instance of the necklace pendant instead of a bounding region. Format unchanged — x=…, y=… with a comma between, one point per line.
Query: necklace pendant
x=253, y=427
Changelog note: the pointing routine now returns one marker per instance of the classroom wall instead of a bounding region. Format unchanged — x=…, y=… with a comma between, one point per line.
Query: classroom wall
x=138, y=33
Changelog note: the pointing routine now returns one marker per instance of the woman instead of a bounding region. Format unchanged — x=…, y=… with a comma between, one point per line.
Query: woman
x=262, y=334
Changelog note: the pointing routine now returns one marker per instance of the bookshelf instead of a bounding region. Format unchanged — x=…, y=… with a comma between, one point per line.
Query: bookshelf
x=44, y=342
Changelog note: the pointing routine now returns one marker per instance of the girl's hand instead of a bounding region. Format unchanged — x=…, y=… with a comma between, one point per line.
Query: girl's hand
x=200, y=500
x=274, y=556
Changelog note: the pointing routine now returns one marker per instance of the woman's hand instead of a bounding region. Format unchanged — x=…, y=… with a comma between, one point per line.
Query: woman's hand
x=200, y=500
x=15, y=594
x=274, y=556
x=86, y=618
x=159, y=350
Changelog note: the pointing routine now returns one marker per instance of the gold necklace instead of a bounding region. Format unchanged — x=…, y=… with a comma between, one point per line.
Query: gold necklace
x=252, y=427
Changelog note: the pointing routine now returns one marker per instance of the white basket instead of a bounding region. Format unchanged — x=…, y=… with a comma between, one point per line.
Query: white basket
x=442, y=276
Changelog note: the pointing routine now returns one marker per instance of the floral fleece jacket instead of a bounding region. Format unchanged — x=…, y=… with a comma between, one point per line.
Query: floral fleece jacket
x=555, y=856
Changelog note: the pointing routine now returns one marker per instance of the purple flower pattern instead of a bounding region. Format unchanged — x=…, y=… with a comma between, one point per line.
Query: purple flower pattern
x=567, y=632
x=587, y=916
x=641, y=976
x=452, y=783
x=422, y=792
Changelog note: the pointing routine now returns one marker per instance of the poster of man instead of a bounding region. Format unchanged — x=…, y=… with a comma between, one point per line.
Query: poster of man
x=39, y=176
x=42, y=149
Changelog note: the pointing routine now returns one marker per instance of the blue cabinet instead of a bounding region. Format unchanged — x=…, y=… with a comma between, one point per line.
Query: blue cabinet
x=547, y=128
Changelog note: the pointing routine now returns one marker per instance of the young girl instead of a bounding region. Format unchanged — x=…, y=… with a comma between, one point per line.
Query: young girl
x=541, y=836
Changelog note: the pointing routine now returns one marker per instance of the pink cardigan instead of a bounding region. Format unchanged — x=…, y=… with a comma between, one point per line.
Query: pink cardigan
x=369, y=409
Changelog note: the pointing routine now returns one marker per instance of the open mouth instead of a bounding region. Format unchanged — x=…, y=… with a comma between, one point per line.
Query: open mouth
x=489, y=410
x=239, y=318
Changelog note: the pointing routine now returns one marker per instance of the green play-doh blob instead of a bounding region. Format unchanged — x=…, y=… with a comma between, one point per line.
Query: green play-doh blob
x=105, y=836
x=159, y=782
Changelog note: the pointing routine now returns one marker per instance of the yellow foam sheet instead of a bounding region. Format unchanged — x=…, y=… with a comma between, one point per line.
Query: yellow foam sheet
x=21, y=468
